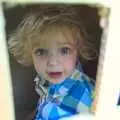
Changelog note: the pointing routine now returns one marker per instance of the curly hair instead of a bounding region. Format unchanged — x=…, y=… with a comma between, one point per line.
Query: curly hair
x=37, y=26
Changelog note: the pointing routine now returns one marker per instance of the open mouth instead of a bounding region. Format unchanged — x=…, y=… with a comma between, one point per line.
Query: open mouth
x=55, y=75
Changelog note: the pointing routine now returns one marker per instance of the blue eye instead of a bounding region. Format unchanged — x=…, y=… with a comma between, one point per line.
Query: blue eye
x=65, y=51
x=41, y=52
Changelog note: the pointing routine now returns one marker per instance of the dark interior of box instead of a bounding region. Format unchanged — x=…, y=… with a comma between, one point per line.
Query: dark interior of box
x=25, y=97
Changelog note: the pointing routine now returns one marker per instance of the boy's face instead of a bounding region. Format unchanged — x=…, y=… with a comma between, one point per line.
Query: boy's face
x=55, y=61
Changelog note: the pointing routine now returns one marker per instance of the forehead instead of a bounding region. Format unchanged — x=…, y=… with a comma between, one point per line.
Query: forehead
x=53, y=35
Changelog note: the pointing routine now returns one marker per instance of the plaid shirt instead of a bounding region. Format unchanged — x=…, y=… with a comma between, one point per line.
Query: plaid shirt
x=72, y=96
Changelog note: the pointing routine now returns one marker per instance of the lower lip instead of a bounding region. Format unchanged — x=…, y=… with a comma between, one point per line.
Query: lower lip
x=55, y=75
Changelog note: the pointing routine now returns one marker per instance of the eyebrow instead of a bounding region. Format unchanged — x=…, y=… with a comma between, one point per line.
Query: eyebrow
x=67, y=44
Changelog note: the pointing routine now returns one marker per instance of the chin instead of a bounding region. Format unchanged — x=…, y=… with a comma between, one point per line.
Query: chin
x=56, y=81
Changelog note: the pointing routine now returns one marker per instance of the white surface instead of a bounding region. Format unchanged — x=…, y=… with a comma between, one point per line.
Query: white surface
x=6, y=98
x=110, y=85
x=104, y=2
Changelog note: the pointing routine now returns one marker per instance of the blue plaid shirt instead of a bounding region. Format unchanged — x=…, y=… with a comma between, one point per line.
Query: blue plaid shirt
x=72, y=96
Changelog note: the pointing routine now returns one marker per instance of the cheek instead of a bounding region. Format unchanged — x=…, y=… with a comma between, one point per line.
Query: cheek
x=70, y=63
x=39, y=65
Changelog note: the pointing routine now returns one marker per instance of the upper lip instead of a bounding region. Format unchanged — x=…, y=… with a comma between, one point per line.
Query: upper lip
x=54, y=72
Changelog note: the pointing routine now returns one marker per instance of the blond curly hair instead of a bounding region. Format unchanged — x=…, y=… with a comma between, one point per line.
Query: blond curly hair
x=37, y=26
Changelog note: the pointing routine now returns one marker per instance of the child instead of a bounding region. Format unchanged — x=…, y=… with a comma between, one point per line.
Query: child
x=55, y=43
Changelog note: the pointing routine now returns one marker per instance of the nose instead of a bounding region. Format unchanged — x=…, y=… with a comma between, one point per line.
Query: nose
x=52, y=59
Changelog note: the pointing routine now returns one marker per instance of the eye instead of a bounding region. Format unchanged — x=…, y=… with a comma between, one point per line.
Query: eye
x=65, y=51
x=41, y=52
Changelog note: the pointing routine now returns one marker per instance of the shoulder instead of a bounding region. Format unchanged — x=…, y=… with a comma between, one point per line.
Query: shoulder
x=41, y=86
x=79, y=97
x=83, y=83
x=82, y=90
x=87, y=82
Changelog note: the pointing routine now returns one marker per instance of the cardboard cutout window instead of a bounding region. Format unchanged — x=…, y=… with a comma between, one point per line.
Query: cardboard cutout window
x=73, y=24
